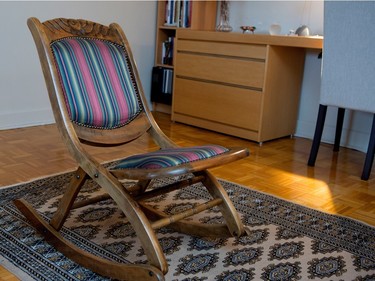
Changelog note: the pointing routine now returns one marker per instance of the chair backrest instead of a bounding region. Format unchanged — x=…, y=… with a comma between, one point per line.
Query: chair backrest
x=92, y=80
x=348, y=70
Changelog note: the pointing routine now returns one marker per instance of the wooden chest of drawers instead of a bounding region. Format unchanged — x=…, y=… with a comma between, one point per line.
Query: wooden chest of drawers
x=230, y=83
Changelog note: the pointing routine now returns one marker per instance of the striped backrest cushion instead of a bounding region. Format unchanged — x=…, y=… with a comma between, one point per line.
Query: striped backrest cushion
x=98, y=82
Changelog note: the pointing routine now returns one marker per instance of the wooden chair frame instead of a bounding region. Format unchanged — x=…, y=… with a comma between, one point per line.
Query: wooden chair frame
x=143, y=219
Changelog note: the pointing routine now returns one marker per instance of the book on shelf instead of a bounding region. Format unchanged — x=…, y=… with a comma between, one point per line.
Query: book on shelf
x=162, y=85
x=178, y=13
x=167, y=51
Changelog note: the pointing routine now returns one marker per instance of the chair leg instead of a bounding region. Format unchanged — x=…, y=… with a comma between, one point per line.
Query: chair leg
x=340, y=122
x=370, y=153
x=137, y=219
x=228, y=211
x=68, y=198
x=317, y=135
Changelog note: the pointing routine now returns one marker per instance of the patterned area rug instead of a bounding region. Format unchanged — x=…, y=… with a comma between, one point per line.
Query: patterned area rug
x=287, y=241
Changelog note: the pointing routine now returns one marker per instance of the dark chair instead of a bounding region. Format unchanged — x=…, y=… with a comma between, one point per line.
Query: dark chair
x=347, y=70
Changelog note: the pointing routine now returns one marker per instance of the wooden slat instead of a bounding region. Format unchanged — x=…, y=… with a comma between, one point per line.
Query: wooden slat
x=188, y=213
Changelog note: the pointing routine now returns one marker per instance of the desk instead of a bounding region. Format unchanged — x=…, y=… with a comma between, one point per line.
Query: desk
x=239, y=84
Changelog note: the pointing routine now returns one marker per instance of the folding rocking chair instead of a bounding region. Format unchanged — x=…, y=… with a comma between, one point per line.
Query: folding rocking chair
x=97, y=98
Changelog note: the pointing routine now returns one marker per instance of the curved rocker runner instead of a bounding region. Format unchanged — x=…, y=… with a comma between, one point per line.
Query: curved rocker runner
x=97, y=99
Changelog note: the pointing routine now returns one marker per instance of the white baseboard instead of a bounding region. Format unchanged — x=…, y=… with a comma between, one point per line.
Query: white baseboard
x=13, y=120
x=353, y=139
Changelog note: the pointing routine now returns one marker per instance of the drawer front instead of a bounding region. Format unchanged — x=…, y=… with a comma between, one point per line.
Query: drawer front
x=223, y=48
x=233, y=106
x=241, y=72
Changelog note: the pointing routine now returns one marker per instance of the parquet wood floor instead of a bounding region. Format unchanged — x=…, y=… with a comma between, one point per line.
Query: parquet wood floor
x=277, y=167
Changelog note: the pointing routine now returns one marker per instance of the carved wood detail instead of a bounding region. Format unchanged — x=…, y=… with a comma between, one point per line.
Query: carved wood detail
x=77, y=27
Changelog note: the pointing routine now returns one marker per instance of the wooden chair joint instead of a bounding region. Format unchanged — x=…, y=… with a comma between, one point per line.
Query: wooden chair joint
x=169, y=188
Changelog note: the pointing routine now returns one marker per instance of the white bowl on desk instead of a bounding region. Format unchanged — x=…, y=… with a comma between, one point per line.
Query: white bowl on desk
x=275, y=29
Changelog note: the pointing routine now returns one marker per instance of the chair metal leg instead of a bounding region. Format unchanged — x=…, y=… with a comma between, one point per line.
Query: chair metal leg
x=370, y=153
x=340, y=122
x=318, y=134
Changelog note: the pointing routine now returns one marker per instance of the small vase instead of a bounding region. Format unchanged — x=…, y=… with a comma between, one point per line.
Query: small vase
x=224, y=17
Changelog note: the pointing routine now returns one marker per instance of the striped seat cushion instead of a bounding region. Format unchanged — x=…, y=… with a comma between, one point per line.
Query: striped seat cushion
x=166, y=158
x=98, y=82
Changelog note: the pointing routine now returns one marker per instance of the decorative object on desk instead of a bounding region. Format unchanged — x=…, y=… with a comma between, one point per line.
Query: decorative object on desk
x=303, y=30
x=275, y=29
x=248, y=29
x=224, y=17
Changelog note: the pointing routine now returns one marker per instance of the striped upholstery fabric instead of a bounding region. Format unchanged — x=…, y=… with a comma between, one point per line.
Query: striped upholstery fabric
x=98, y=85
x=170, y=157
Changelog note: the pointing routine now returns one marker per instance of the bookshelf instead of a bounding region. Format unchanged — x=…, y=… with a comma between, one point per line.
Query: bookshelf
x=186, y=14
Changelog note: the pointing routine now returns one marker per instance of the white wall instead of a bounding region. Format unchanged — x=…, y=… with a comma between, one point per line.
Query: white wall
x=289, y=14
x=23, y=96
